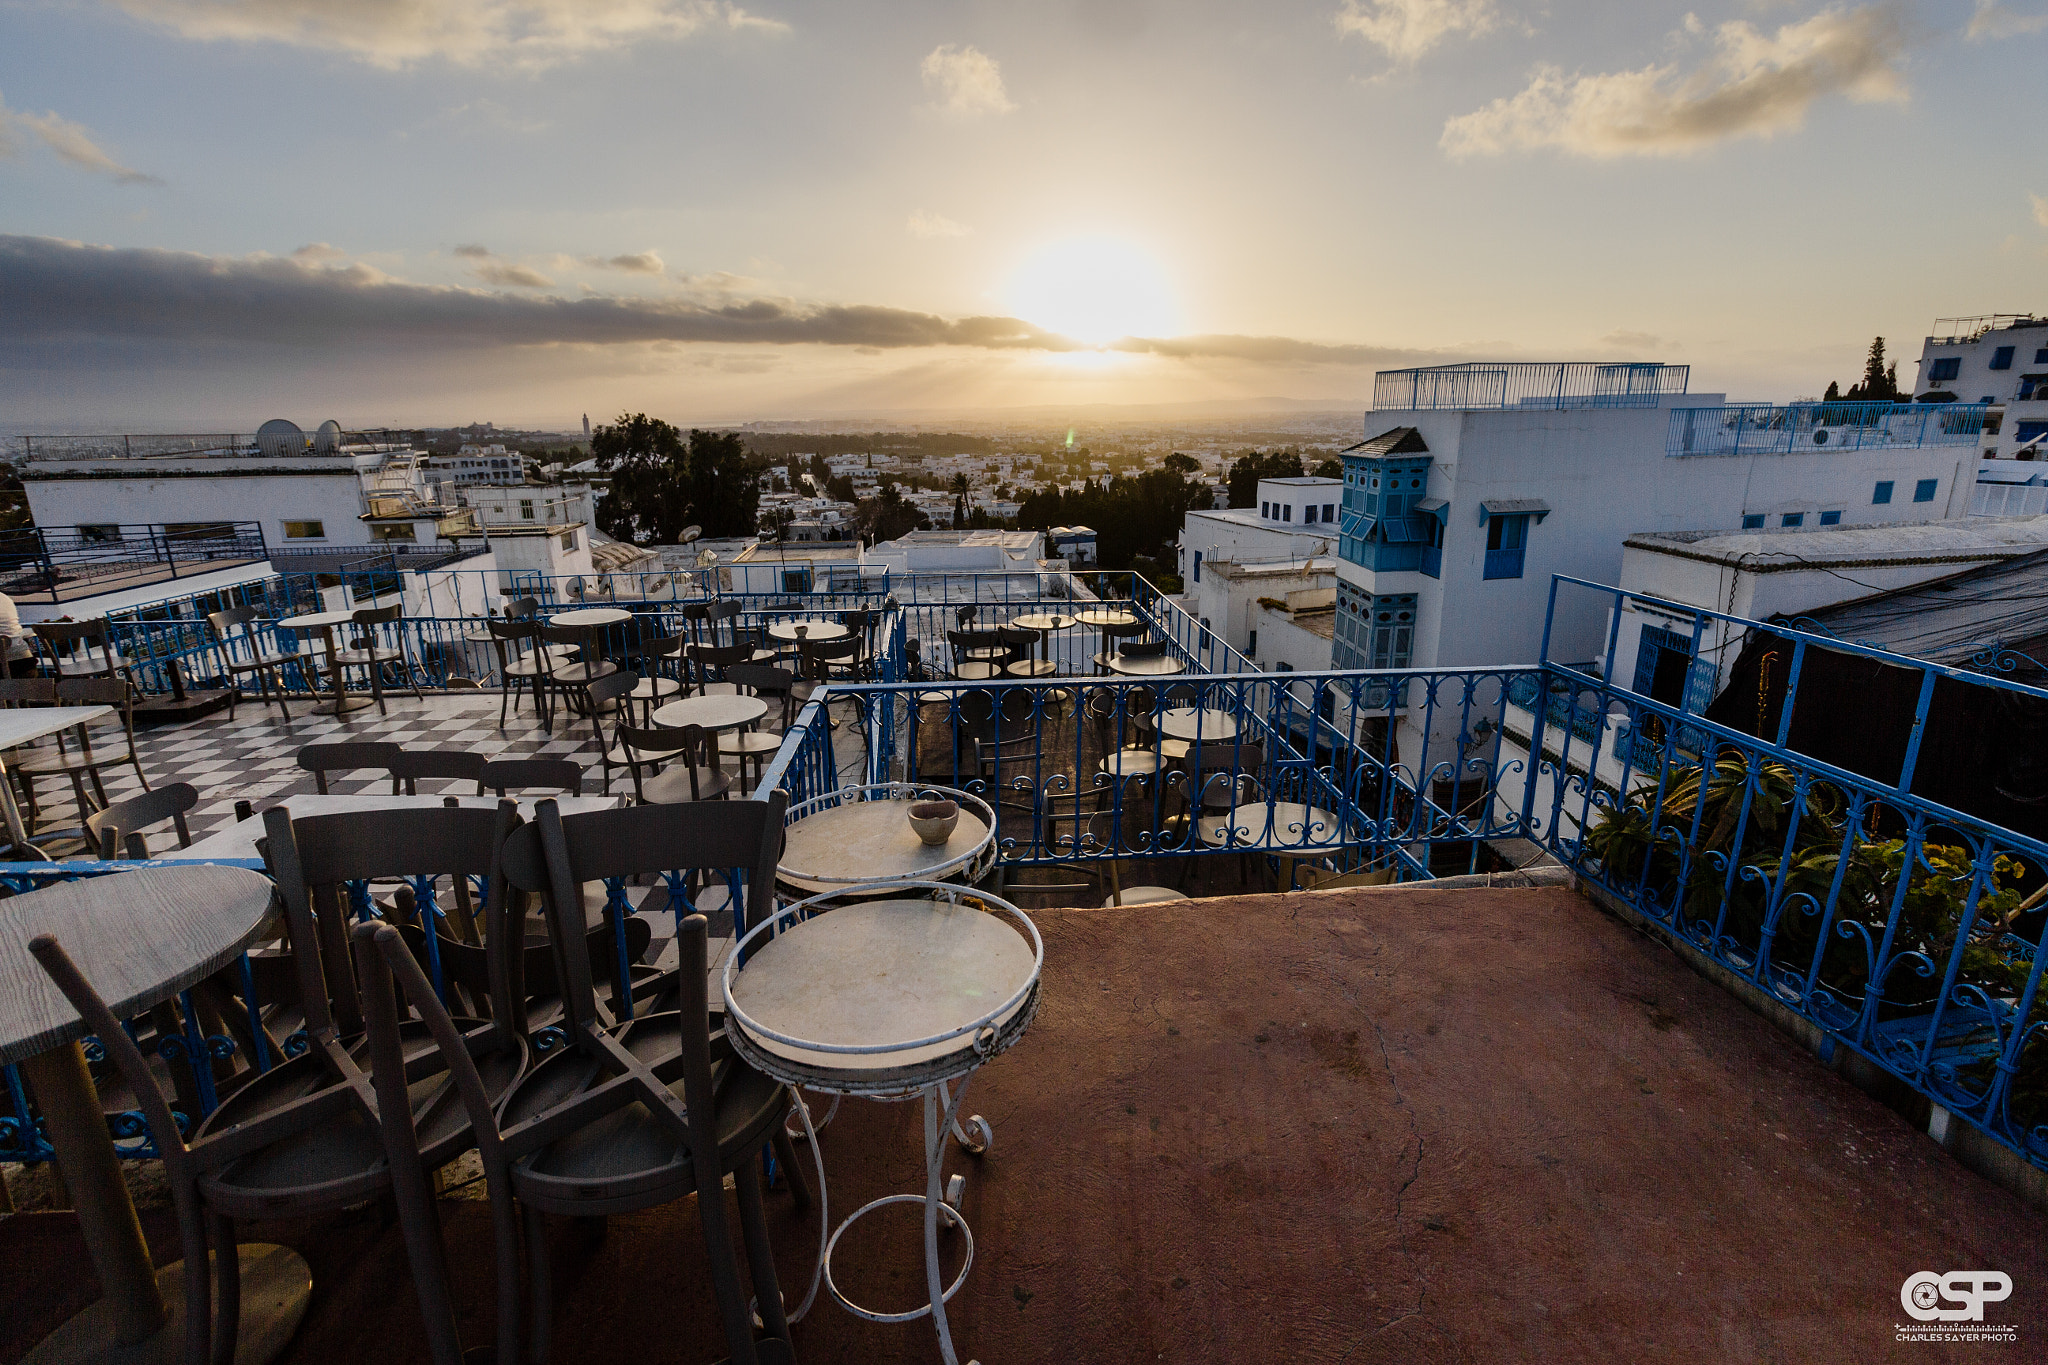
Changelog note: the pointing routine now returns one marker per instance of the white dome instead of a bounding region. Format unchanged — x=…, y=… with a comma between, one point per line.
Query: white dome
x=279, y=437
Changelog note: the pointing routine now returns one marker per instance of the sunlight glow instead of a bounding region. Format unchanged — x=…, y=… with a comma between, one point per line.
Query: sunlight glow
x=1094, y=290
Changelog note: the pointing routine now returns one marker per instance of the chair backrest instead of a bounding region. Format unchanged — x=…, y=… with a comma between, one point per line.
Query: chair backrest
x=1018, y=637
x=1218, y=771
x=965, y=616
x=558, y=854
x=460, y=765
x=761, y=680
x=565, y=635
x=1144, y=649
x=520, y=607
x=502, y=775
x=73, y=633
x=518, y=628
x=116, y=829
x=1125, y=632
x=28, y=691
x=964, y=640
x=378, y=616
x=691, y=744
x=322, y=759
x=226, y=623
x=101, y=692
x=317, y=858
x=606, y=691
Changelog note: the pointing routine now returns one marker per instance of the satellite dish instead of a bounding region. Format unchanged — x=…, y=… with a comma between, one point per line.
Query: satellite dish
x=277, y=437
x=690, y=533
x=327, y=440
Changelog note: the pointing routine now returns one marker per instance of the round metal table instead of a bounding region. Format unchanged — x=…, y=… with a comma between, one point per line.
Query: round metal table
x=1183, y=722
x=322, y=623
x=890, y=999
x=717, y=711
x=1150, y=666
x=1047, y=624
x=1294, y=833
x=860, y=835
x=1104, y=616
x=591, y=617
x=817, y=630
x=140, y=938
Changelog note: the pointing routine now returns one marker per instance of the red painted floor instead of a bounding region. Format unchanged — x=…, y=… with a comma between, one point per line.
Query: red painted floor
x=1364, y=1126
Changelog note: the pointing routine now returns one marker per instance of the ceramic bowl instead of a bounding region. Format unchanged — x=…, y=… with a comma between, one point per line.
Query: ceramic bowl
x=934, y=820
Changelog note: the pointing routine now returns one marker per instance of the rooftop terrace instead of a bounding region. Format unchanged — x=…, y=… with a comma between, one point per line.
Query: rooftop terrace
x=1433, y=1121
x=1521, y=384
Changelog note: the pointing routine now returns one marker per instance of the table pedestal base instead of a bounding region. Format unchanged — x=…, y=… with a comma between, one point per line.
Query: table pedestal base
x=940, y=1197
x=344, y=706
x=276, y=1286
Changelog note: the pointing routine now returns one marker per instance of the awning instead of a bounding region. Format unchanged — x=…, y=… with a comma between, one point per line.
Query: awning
x=1433, y=507
x=1400, y=530
x=1513, y=507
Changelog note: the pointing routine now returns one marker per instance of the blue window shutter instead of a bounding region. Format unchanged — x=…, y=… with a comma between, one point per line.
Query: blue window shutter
x=2001, y=359
x=1883, y=494
x=1923, y=491
x=1793, y=519
x=1948, y=367
x=1831, y=518
x=1754, y=521
x=1198, y=566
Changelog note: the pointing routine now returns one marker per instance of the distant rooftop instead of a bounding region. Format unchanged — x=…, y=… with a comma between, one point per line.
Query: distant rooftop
x=1517, y=384
x=1963, y=540
x=1966, y=618
x=267, y=442
x=1956, y=331
x=1303, y=481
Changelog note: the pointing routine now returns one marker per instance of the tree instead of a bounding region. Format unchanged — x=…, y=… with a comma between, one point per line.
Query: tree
x=1880, y=382
x=649, y=502
x=889, y=516
x=1332, y=468
x=1834, y=393
x=839, y=488
x=1178, y=463
x=661, y=485
x=1254, y=465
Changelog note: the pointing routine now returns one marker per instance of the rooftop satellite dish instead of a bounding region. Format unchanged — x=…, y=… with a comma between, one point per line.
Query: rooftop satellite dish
x=690, y=533
x=327, y=440
x=277, y=437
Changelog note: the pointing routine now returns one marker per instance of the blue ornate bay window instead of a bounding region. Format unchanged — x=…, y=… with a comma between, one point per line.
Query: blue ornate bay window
x=1373, y=631
x=1384, y=479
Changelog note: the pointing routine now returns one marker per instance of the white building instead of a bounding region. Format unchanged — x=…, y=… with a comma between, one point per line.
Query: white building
x=473, y=464
x=1075, y=544
x=2000, y=359
x=1295, y=519
x=1478, y=482
x=1279, y=614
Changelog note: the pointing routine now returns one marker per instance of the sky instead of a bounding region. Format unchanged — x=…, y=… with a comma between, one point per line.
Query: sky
x=213, y=212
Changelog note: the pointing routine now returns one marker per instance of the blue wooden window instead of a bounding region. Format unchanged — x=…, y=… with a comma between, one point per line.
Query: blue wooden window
x=2027, y=431
x=1831, y=518
x=1948, y=367
x=1198, y=566
x=1433, y=547
x=1792, y=519
x=2001, y=359
x=1923, y=491
x=1329, y=511
x=1506, y=538
x=1392, y=638
x=1754, y=521
x=1883, y=493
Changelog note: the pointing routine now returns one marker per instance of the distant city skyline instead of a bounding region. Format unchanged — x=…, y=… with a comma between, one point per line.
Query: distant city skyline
x=214, y=210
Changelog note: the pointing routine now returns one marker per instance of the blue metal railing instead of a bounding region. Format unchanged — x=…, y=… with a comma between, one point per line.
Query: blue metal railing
x=1769, y=428
x=1485, y=384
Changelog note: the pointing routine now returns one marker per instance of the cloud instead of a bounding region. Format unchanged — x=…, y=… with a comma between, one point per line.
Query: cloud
x=923, y=224
x=60, y=295
x=318, y=251
x=2040, y=203
x=1993, y=20
x=473, y=250
x=965, y=82
x=1635, y=343
x=1409, y=28
x=1755, y=85
x=394, y=33
x=68, y=140
x=512, y=273
x=635, y=263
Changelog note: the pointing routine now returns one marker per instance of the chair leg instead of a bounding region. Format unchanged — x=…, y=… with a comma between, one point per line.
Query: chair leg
x=539, y=1287
x=785, y=1152
x=198, y=1275
x=760, y=1256
x=227, y=1271
x=725, y=1271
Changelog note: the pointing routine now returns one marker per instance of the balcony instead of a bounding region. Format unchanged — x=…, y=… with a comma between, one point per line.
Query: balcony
x=1528, y=386
x=62, y=563
x=1819, y=428
x=1393, y=1090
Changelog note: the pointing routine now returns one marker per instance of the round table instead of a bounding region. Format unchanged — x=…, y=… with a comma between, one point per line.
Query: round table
x=870, y=840
x=1182, y=722
x=817, y=630
x=717, y=711
x=322, y=623
x=591, y=617
x=891, y=999
x=140, y=938
x=1130, y=763
x=1105, y=616
x=1295, y=828
x=1046, y=623
x=1148, y=666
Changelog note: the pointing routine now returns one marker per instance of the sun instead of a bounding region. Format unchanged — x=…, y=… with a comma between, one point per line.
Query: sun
x=1094, y=290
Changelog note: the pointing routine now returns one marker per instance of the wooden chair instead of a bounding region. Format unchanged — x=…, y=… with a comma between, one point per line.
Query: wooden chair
x=458, y=765
x=115, y=831
x=660, y=676
x=83, y=763
x=753, y=744
x=686, y=751
x=567, y=678
x=977, y=654
x=368, y=651
x=322, y=759
x=1112, y=634
x=565, y=775
x=240, y=650
x=83, y=649
x=302, y=1138
x=707, y=665
x=516, y=641
x=636, y=1112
